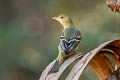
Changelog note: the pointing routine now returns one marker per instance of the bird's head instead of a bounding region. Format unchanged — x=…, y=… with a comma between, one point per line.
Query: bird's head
x=64, y=20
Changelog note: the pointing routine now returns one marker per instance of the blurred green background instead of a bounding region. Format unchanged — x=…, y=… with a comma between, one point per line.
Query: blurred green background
x=29, y=37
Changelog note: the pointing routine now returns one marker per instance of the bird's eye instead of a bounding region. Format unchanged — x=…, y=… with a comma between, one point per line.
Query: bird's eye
x=62, y=17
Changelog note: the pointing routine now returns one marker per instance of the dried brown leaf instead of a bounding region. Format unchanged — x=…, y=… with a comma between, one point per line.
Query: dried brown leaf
x=114, y=5
x=95, y=58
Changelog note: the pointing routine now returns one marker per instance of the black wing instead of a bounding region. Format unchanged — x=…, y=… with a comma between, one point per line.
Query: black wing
x=69, y=45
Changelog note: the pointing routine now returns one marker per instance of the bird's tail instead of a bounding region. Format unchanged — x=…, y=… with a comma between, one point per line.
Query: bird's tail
x=55, y=68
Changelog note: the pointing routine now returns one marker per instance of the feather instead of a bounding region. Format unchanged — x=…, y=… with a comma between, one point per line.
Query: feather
x=69, y=42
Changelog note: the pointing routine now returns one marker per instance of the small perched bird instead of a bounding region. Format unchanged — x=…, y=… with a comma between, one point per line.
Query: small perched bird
x=69, y=40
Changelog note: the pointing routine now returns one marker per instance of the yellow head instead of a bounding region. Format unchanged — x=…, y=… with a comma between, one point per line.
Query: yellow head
x=64, y=20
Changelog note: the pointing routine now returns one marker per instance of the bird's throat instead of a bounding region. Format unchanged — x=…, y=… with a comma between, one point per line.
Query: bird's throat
x=67, y=24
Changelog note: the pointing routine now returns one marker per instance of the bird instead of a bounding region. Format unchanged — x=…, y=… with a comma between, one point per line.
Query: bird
x=69, y=40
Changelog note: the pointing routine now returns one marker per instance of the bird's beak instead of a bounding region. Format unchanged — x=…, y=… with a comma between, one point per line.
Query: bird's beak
x=54, y=18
